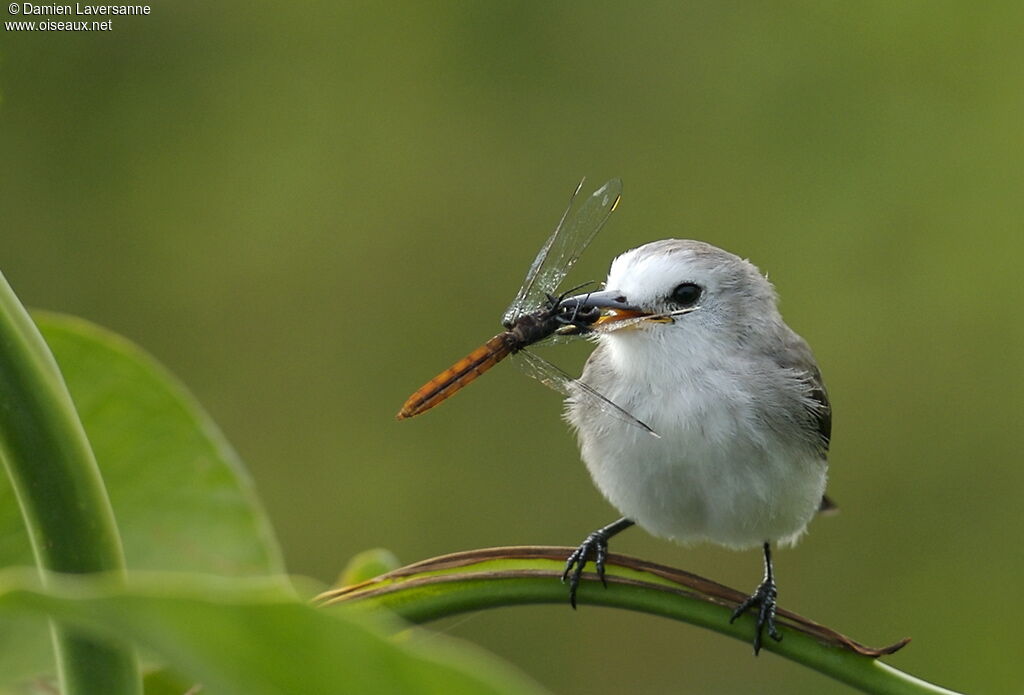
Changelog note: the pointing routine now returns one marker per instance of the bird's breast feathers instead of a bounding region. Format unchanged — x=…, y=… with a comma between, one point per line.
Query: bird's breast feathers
x=718, y=472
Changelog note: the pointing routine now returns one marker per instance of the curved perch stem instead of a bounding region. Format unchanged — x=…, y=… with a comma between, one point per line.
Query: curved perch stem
x=492, y=577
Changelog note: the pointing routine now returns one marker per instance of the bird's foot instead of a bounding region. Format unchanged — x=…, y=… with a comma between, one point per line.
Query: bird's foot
x=765, y=600
x=595, y=545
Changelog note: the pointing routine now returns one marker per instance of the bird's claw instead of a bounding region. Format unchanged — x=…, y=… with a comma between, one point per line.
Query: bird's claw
x=596, y=545
x=765, y=599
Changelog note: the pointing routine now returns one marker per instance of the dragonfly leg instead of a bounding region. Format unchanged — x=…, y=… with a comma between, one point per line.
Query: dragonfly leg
x=593, y=546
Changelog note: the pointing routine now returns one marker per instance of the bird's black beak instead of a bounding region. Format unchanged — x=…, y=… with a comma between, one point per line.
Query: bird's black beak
x=605, y=299
x=605, y=306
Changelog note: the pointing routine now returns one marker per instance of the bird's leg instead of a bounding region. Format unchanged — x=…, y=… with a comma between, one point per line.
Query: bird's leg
x=596, y=545
x=764, y=598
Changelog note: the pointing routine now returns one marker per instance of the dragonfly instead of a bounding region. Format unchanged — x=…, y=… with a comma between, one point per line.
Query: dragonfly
x=538, y=314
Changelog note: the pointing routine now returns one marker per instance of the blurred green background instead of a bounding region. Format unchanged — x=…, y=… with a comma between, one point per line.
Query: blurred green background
x=306, y=210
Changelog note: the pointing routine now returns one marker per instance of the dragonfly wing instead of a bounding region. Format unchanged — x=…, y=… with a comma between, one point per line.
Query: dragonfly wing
x=519, y=305
x=557, y=379
x=577, y=228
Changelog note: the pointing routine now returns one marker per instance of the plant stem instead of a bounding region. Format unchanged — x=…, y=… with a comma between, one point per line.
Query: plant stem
x=494, y=577
x=60, y=492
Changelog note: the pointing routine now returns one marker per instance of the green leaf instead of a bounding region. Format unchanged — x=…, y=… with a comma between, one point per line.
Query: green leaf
x=367, y=565
x=255, y=637
x=164, y=681
x=63, y=503
x=181, y=497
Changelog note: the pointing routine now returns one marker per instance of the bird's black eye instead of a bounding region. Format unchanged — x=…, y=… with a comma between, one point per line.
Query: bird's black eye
x=686, y=294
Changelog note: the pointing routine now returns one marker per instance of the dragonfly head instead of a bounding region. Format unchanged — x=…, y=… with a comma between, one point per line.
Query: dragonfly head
x=599, y=308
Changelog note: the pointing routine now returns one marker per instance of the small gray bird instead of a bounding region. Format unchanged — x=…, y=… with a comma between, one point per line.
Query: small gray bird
x=734, y=394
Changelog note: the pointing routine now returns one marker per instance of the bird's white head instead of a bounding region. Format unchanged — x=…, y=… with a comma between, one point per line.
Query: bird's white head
x=702, y=301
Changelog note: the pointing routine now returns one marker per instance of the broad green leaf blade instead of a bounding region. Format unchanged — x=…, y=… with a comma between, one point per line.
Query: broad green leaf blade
x=181, y=497
x=255, y=637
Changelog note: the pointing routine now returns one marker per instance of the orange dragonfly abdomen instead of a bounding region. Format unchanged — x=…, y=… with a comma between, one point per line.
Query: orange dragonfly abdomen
x=458, y=375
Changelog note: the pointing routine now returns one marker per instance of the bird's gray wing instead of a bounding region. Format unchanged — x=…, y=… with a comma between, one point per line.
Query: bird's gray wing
x=797, y=356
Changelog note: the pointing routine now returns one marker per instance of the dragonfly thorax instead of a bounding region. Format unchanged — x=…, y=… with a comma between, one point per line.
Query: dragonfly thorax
x=554, y=317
